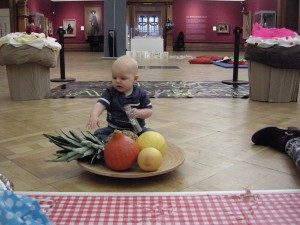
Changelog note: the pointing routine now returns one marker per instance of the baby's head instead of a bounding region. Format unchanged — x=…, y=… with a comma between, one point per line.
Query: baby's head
x=125, y=65
x=124, y=74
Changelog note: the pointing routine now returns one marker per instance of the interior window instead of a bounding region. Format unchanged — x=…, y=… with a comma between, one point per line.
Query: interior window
x=148, y=25
x=143, y=24
x=153, y=25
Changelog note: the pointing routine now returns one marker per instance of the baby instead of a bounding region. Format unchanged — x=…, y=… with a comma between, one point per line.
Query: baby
x=123, y=91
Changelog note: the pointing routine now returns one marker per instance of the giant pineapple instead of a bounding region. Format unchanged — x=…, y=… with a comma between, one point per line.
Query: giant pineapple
x=84, y=146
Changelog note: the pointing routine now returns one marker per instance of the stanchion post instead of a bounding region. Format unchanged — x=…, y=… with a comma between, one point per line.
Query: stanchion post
x=61, y=32
x=235, y=81
x=237, y=32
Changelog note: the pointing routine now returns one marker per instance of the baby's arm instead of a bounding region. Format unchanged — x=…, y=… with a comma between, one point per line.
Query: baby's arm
x=141, y=113
x=94, y=116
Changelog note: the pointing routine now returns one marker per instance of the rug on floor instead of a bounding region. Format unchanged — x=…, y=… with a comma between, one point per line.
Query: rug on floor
x=156, y=89
x=158, y=67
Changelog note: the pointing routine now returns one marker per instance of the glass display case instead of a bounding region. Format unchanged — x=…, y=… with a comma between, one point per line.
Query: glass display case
x=39, y=20
x=151, y=41
x=265, y=18
x=139, y=33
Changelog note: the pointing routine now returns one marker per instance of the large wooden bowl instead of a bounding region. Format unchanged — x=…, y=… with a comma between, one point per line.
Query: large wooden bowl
x=174, y=157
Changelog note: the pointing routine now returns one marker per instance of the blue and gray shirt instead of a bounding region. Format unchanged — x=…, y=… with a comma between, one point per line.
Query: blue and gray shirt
x=114, y=102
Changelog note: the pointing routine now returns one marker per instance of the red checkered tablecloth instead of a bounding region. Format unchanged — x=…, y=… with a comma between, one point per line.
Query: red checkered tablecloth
x=190, y=208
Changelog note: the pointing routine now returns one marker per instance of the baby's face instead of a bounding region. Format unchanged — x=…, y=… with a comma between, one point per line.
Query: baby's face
x=123, y=80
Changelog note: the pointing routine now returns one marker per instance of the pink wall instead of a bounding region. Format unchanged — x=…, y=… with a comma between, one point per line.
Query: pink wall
x=213, y=13
x=254, y=6
x=57, y=11
x=72, y=10
x=40, y=6
x=258, y=5
x=210, y=12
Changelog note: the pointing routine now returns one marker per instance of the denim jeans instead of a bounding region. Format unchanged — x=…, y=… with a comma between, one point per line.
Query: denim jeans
x=106, y=131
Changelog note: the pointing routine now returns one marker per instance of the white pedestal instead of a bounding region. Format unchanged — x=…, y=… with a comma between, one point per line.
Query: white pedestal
x=150, y=44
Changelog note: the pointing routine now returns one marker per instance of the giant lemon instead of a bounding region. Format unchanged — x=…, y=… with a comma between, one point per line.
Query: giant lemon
x=150, y=159
x=152, y=139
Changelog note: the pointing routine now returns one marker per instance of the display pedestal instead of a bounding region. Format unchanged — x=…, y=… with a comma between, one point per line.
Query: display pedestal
x=269, y=84
x=150, y=44
x=28, y=81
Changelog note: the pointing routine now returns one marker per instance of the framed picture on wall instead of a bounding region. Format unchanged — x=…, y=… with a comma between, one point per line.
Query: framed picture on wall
x=223, y=28
x=69, y=26
x=92, y=21
x=247, y=25
x=50, y=29
x=46, y=25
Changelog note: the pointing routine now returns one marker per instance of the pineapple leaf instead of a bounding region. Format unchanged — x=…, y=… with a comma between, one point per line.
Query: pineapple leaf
x=59, y=141
x=67, y=147
x=94, y=158
x=63, y=151
x=67, y=138
x=67, y=135
x=81, y=150
x=76, y=136
x=71, y=154
x=58, y=155
x=78, y=156
x=89, y=152
x=59, y=159
x=75, y=146
x=87, y=137
x=91, y=137
x=95, y=138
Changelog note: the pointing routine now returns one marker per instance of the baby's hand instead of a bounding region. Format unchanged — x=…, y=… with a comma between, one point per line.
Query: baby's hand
x=134, y=113
x=92, y=123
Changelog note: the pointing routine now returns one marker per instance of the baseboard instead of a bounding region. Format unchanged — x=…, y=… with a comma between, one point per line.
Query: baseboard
x=213, y=46
x=84, y=47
